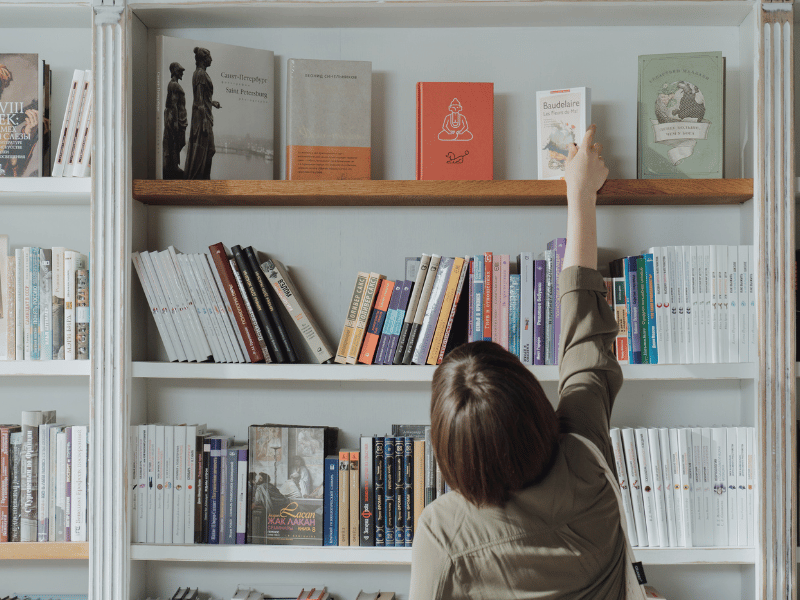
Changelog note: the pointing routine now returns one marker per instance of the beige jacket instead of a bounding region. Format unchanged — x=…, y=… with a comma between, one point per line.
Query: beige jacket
x=561, y=537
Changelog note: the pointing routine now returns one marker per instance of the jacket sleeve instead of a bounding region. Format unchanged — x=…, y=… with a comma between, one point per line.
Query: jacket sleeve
x=589, y=374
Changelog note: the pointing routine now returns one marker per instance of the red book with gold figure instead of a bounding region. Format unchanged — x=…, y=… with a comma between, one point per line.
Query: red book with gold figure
x=455, y=124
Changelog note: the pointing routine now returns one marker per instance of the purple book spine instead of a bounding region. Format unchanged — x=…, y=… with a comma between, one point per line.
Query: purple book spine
x=560, y=246
x=439, y=285
x=402, y=305
x=68, y=494
x=388, y=324
x=538, y=312
x=470, y=324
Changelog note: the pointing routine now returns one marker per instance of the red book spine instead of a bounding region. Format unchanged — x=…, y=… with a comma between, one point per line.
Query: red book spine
x=487, y=295
x=5, y=482
x=376, y=324
x=220, y=257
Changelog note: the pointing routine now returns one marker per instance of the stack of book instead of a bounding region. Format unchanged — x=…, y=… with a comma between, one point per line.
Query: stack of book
x=44, y=304
x=687, y=487
x=43, y=480
x=74, y=151
x=227, y=307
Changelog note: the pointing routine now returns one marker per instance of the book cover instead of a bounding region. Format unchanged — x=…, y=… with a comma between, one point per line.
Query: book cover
x=364, y=312
x=354, y=530
x=373, y=331
x=388, y=323
x=21, y=99
x=366, y=492
x=562, y=118
x=351, y=318
x=389, y=476
x=328, y=119
x=681, y=115
x=411, y=309
x=559, y=246
x=455, y=129
x=399, y=321
x=399, y=492
x=477, y=297
x=539, y=285
x=526, y=267
x=343, y=533
x=218, y=124
x=408, y=491
x=513, y=314
x=330, y=510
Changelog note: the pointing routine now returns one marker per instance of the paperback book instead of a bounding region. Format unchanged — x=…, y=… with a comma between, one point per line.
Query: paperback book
x=562, y=117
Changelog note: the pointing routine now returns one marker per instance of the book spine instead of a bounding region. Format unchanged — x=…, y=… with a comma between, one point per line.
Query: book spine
x=229, y=319
x=364, y=312
x=331, y=506
x=687, y=486
x=733, y=304
x=232, y=497
x=352, y=316
x=698, y=341
x=744, y=270
x=687, y=302
x=46, y=303
x=408, y=490
x=477, y=297
x=85, y=147
x=42, y=485
x=658, y=301
x=652, y=324
x=164, y=273
x=641, y=280
x=621, y=313
x=180, y=484
x=241, y=495
x=751, y=486
x=205, y=471
x=159, y=482
x=452, y=292
x=432, y=312
x=26, y=308
x=470, y=319
x=68, y=491
x=169, y=317
x=246, y=301
x=217, y=308
x=19, y=317
x=719, y=481
x=503, y=289
x=707, y=308
x=648, y=495
x=16, y=445
x=741, y=486
x=389, y=490
x=35, y=305
x=752, y=318
x=223, y=494
x=379, y=471
x=52, y=470
x=730, y=482
x=79, y=466
x=61, y=149
x=141, y=471
x=654, y=447
x=200, y=312
x=513, y=314
x=10, y=293
x=411, y=310
x=665, y=465
x=724, y=336
x=388, y=323
x=707, y=486
x=549, y=306
x=525, y=265
x=419, y=482
x=344, y=498
x=699, y=530
x=373, y=331
x=672, y=292
x=539, y=302
x=355, y=498
x=399, y=322
x=213, y=487
x=77, y=122
x=190, y=492
x=82, y=317
x=560, y=249
x=366, y=495
x=5, y=473
x=631, y=299
x=624, y=484
x=677, y=492
x=430, y=468
x=422, y=309
x=29, y=469
x=637, y=499
x=488, y=261
x=399, y=492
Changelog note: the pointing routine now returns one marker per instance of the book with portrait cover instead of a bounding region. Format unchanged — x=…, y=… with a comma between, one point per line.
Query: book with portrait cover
x=455, y=130
x=562, y=117
x=214, y=110
x=21, y=98
x=681, y=118
x=285, y=483
x=328, y=119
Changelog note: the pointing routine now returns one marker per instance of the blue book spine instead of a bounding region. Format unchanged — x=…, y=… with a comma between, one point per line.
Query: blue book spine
x=399, y=492
x=330, y=511
x=632, y=299
x=651, y=308
x=231, y=474
x=513, y=314
x=408, y=489
x=380, y=492
x=397, y=325
x=477, y=297
x=538, y=311
x=388, y=324
x=389, y=505
x=213, y=509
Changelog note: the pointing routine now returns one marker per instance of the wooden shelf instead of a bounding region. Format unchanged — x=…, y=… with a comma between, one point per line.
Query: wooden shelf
x=44, y=551
x=392, y=556
x=46, y=190
x=53, y=368
x=416, y=373
x=615, y=192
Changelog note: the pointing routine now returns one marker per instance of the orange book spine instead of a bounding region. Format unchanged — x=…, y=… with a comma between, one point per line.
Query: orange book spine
x=487, y=295
x=444, y=314
x=354, y=497
x=376, y=324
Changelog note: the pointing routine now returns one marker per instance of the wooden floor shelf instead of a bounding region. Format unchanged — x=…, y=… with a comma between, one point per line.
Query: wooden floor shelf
x=44, y=551
x=619, y=192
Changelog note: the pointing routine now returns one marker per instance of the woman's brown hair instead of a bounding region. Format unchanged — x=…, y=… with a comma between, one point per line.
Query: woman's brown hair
x=493, y=429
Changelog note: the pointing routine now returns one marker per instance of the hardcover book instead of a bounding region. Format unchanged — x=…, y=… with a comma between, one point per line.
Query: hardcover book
x=681, y=118
x=328, y=119
x=218, y=124
x=562, y=117
x=21, y=97
x=455, y=129
x=6, y=301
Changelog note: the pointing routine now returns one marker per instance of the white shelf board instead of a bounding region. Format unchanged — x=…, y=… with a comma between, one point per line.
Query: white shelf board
x=45, y=190
x=392, y=556
x=405, y=13
x=416, y=373
x=57, y=368
x=67, y=14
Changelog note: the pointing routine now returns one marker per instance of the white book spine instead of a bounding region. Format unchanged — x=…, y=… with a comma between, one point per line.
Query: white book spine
x=707, y=283
x=694, y=297
x=648, y=486
x=214, y=315
x=169, y=481
x=53, y=483
x=158, y=272
x=241, y=498
x=677, y=491
x=198, y=303
x=142, y=448
x=170, y=258
x=687, y=485
x=686, y=273
x=677, y=272
x=159, y=485
x=658, y=296
x=44, y=479
x=223, y=296
x=722, y=275
x=744, y=303
x=751, y=294
x=71, y=265
x=151, y=484
x=175, y=292
x=204, y=303
x=526, y=271
x=64, y=140
x=79, y=470
x=699, y=532
x=624, y=484
x=26, y=311
x=719, y=480
x=637, y=500
x=733, y=304
x=654, y=448
x=167, y=313
x=751, y=486
x=19, y=312
x=431, y=315
x=190, y=469
x=741, y=485
x=715, y=309
x=730, y=465
x=179, y=484
x=708, y=483
x=666, y=480
x=666, y=282
x=212, y=278
x=701, y=306
x=85, y=147
x=158, y=317
x=76, y=122
x=61, y=485
x=133, y=454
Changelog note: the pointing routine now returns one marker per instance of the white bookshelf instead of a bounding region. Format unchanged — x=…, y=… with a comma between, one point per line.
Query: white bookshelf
x=45, y=368
x=46, y=191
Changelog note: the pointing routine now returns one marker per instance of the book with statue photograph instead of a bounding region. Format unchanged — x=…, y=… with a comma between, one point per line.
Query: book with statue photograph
x=21, y=121
x=562, y=118
x=681, y=115
x=214, y=111
x=285, y=488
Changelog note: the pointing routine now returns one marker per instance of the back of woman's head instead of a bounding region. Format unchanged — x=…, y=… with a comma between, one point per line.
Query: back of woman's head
x=493, y=429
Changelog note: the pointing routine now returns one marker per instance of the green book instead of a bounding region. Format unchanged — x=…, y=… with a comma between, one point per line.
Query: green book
x=681, y=117
x=641, y=282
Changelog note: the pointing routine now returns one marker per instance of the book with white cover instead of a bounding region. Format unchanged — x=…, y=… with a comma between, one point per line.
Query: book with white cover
x=677, y=491
x=58, y=302
x=169, y=481
x=694, y=301
x=61, y=485
x=722, y=301
x=699, y=533
x=152, y=263
x=44, y=483
x=70, y=117
x=751, y=294
x=667, y=487
x=687, y=485
x=562, y=118
x=52, y=481
x=708, y=309
x=170, y=258
x=79, y=470
x=688, y=339
x=676, y=271
x=133, y=464
x=719, y=480
x=241, y=496
x=158, y=312
x=182, y=305
x=672, y=317
x=159, y=484
x=77, y=123
x=26, y=307
x=226, y=312
x=178, y=483
x=733, y=304
x=715, y=303
x=730, y=464
x=637, y=501
x=751, y=486
x=744, y=303
x=655, y=467
x=708, y=483
x=73, y=262
x=45, y=304
x=214, y=311
x=150, y=484
x=142, y=474
x=190, y=491
x=198, y=302
x=648, y=485
x=84, y=147
x=664, y=355
x=19, y=305
x=741, y=485
x=624, y=483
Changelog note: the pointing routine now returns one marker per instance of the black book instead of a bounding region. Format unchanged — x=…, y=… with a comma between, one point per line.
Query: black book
x=408, y=489
x=388, y=490
x=379, y=474
x=206, y=486
x=259, y=307
x=414, y=431
x=399, y=492
x=458, y=329
x=269, y=303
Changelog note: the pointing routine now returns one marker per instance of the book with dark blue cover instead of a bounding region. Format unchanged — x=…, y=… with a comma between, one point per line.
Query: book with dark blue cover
x=380, y=492
x=538, y=311
x=213, y=490
x=399, y=492
x=632, y=300
x=408, y=489
x=397, y=324
x=389, y=487
x=477, y=297
x=651, y=310
x=513, y=314
x=388, y=323
x=330, y=514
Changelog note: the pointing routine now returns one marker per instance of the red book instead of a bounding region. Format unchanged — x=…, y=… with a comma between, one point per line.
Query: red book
x=376, y=323
x=487, y=296
x=455, y=129
x=5, y=479
x=220, y=256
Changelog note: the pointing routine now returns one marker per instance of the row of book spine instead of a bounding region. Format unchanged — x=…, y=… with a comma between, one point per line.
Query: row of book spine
x=227, y=307
x=43, y=480
x=73, y=153
x=46, y=303
x=687, y=487
x=685, y=304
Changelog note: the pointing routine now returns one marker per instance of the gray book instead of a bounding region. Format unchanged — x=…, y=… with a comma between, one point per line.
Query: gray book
x=29, y=468
x=46, y=304
x=15, y=500
x=328, y=105
x=681, y=115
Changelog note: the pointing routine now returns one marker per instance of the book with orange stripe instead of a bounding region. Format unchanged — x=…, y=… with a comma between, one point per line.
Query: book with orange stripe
x=456, y=278
x=376, y=323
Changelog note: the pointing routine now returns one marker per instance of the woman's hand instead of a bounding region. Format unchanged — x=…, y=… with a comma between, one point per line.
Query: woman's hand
x=585, y=171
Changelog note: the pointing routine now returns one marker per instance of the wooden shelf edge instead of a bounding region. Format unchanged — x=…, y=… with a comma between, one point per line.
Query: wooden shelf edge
x=44, y=551
x=615, y=192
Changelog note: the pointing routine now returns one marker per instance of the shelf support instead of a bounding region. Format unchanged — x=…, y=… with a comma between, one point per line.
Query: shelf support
x=109, y=565
x=776, y=569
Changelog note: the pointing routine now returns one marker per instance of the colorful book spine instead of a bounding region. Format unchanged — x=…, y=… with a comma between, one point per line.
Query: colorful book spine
x=514, y=315
x=364, y=311
x=539, y=324
x=330, y=510
x=399, y=319
x=213, y=486
x=549, y=304
x=488, y=259
x=632, y=300
x=652, y=323
x=559, y=247
x=470, y=319
x=343, y=533
x=388, y=323
x=503, y=293
x=373, y=331
x=621, y=313
x=35, y=304
x=352, y=316
x=399, y=492
x=641, y=281
x=477, y=297
x=452, y=294
x=366, y=500
x=389, y=488
x=408, y=490
x=379, y=470
x=454, y=310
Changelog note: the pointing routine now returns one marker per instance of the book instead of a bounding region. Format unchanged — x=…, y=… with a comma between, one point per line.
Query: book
x=344, y=498
x=681, y=115
x=379, y=490
x=513, y=314
x=526, y=266
x=328, y=139
x=460, y=315
x=85, y=140
x=68, y=124
x=21, y=103
x=408, y=490
x=643, y=310
x=15, y=442
x=77, y=124
x=477, y=297
x=421, y=309
x=73, y=262
x=455, y=130
x=411, y=309
x=236, y=86
x=82, y=315
x=352, y=316
x=562, y=118
x=434, y=307
x=399, y=492
x=389, y=485
x=364, y=311
x=354, y=531
x=559, y=246
x=373, y=331
x=366, y=492
x=7, y=298
x=389, y=323
x=453, y=285
x=624, y=483
x=330, y=511
x=398, y=322
x=29, y=465
x=637, y=499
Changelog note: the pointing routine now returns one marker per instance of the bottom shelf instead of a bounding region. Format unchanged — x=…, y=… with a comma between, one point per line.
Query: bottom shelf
x=394, y=556
x=44, y=551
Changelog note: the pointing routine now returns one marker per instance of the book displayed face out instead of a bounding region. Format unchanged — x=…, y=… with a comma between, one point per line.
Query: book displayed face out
x=21, y=101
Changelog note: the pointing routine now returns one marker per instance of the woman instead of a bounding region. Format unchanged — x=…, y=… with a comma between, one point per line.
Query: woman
x=532, y=514
x=201, y=137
